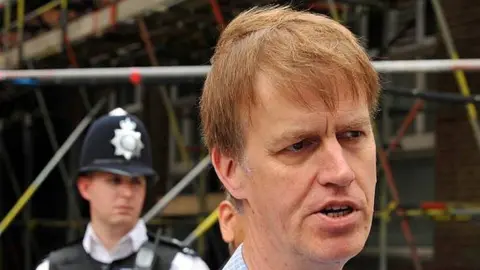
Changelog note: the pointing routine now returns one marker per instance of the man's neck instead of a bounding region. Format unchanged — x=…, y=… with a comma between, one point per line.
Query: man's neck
x=109, y=236
x=263, y=257
x=262, y=252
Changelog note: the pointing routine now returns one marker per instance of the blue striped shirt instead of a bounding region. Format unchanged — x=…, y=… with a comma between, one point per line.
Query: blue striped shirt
x=236, y=261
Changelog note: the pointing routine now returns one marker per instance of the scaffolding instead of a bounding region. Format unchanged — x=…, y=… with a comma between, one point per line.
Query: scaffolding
x=191, y=176
x=61, y=41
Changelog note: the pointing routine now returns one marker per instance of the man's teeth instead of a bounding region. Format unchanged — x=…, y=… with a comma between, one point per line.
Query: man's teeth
x=337, y=211
x=335, y=208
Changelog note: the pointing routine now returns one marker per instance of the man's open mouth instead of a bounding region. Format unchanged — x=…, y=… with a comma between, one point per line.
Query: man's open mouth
x=337, y=211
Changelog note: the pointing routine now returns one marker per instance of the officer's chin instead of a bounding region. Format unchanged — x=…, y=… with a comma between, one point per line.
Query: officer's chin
x=123, y=219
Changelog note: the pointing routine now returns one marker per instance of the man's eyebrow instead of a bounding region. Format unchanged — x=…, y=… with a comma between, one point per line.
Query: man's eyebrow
x=358, y=122
x=299, y=133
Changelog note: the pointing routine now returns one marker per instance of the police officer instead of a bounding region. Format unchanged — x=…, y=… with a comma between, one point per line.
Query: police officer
x=116, y=168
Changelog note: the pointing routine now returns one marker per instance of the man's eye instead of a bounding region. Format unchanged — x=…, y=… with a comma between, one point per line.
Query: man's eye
x=116, y=180
x=299, y=146
x=351, y=134
x=136, y=181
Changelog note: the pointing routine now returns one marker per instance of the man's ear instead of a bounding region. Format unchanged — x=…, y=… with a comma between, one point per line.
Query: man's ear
x=226, y=220
x=229, y=173
x=83, y=185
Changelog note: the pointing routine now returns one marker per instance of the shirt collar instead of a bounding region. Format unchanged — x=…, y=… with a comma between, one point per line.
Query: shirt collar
x=236, y=261
x=135, y=237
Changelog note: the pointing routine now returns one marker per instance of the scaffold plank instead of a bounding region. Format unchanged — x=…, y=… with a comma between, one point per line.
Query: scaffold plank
x=50, y=43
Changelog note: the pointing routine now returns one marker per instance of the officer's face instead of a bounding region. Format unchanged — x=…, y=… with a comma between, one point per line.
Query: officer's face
x=114, y=199
x=307, y=178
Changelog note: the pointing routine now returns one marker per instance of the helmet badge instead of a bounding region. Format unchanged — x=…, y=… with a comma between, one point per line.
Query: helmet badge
x=127, y=141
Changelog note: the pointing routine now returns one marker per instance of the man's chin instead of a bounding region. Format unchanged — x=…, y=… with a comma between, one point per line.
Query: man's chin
x=342, y=254
x=338, y=251
x=124, y=220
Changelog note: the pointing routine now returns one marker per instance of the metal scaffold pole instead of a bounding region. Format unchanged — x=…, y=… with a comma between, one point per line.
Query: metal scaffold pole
x=173, y=122
x=420, y=77
x=389, y=34
x=172, y=119
x=390, y=180
x=8, y=164
x=37, y=12
x=6, y=27
x=165, y=200
x=28, y=163
x=201, y=228
x=125, y=74
x=67, y=46
x=459, y=74
x=20, y=25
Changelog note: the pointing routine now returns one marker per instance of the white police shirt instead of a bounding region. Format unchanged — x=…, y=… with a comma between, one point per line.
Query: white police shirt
x=128, y=245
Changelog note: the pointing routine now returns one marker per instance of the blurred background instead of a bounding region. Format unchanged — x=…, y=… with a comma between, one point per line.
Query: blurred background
x=428, y=188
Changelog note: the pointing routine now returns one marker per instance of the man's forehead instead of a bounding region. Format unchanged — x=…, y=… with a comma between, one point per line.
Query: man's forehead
x=314, y=100
x=314, y=111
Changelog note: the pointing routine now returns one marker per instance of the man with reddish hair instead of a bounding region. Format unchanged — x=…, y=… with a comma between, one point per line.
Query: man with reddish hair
x=287, y=111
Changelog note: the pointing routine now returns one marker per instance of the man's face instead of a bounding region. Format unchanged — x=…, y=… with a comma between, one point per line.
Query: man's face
x=309, y=175
x=114, y=200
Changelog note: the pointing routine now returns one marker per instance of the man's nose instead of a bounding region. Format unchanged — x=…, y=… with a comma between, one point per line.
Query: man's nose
x=126, y=189
x=335, y=169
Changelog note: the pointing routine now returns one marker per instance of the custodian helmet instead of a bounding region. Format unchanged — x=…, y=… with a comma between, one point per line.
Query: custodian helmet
x=117, y=143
